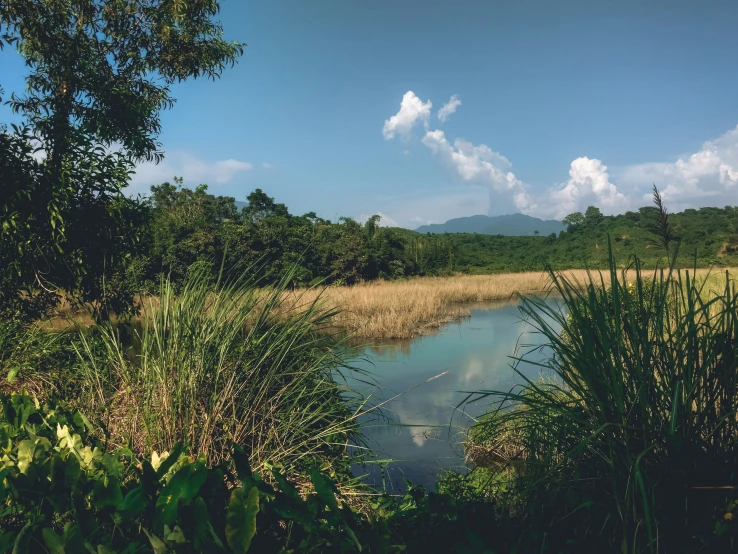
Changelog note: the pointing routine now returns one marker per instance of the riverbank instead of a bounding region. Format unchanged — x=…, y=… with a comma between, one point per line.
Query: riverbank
x=413, y=307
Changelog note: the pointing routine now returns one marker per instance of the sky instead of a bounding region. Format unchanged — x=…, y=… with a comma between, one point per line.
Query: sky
x=423, y=111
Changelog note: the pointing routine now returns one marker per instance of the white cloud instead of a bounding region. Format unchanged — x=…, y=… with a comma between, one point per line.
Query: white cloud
x=412, y=110
x=385, y=221
x=480, y=165
x=588, y=185
x=266, y=165
x=449, y=108
x=707, y=177
x=193, y=169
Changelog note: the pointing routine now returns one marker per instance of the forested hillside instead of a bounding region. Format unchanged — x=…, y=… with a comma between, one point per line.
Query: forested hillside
x=194, y=227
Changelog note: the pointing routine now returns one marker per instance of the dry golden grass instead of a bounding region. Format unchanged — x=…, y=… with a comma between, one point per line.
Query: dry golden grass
x=412, y=307
x=404, y=309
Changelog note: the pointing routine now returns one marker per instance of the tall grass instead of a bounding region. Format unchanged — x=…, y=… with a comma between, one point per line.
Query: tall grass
x=412, y=307
x=629, y=443
x=216, y=363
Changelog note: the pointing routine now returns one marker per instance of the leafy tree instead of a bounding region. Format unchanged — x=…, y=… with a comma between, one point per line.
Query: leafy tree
x=593, y=216
x=99, y=74
x=572, y=221
x=260, y=206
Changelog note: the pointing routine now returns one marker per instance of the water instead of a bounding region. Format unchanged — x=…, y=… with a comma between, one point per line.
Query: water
x=425, y=425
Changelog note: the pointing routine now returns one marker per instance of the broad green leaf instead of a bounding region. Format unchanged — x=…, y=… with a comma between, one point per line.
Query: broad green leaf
x=285, y=486
x=174, y=535
x=204, y=531
x=25, y=455
x=325, y=490
x=243, y=468
x=241, y=519
x=176, y=488
x=134, y=503
x=156, y=543
x=108, y=494
x=171, y=459
x=192, y=485
x=54, y=542
x=72, y=471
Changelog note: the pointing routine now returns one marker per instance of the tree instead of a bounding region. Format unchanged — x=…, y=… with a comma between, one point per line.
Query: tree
x=99, y=74
x=593, y=216
x=572, y=221
x=261, y=206
x=536, y=232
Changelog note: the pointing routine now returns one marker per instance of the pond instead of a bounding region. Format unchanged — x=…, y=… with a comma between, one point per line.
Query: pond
x=421, y=429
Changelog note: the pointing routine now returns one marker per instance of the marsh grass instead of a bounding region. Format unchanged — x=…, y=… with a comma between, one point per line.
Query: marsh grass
x=630, y=444
x=215, y=364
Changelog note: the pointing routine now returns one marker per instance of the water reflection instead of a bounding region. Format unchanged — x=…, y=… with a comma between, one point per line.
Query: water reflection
x=426, y=424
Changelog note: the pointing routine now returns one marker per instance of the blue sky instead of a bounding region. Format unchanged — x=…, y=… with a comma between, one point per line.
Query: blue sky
x=563, y=104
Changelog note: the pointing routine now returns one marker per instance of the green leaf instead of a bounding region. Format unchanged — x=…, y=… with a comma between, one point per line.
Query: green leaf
x=170, y=460
x=108, y=494
x=243, y=468
x=196, y=479
x=241, y=519
x=25, y=455
x=325, y=490
x=285, y=486
x=156, y=543
x=204, y=531
x=133, y=504
x=177, y=487
x=72, y=471
x=53, y=541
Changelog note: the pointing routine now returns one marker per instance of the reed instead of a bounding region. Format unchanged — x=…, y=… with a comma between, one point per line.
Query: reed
x=215, y=364
x=408, y=308
x=633, y=436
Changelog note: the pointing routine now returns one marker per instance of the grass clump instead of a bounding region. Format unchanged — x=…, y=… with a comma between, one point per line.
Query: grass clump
x=213, y=364
x=631, y=443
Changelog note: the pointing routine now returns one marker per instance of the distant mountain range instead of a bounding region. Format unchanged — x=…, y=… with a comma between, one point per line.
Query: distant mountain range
x=512, y=225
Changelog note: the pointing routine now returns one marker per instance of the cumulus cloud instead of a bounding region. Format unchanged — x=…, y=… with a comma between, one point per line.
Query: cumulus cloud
x=481, y=165
x=588, y=185
x=189, y=166
x=449, y=108
x=412, y=111
x=266, y=165
x=706, y=177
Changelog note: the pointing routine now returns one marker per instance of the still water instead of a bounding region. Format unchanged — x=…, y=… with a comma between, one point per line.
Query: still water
x=422, y=429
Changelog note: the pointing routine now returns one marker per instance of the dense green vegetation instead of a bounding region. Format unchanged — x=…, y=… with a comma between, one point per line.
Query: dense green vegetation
x=184, y=230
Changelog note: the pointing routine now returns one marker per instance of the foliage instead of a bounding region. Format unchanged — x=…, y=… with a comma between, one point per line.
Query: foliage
x=63, y=491
x=636, y=433
x=189, y=227
x=222, y=362
x=98, y=77
x=194, y=227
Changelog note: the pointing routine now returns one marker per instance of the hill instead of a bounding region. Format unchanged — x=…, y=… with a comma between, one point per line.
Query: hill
x=510, y=225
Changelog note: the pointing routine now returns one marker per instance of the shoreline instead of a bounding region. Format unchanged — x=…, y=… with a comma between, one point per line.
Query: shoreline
x=408, y=308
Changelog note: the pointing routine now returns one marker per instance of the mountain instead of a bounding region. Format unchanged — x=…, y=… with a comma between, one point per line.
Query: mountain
x=512, y=225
